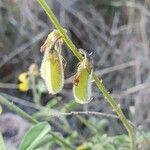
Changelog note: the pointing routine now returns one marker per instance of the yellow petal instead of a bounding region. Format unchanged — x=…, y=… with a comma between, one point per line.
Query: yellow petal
x=24, y=86
x=23, y=77
x=52, y=71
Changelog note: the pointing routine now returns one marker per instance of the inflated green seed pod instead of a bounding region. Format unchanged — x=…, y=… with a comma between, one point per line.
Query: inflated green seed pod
x=52, y=71
x=82, y=83
x=53, y=38
x=52, y=68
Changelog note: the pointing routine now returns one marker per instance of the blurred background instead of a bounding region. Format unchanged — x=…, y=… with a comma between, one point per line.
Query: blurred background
x=117, y=32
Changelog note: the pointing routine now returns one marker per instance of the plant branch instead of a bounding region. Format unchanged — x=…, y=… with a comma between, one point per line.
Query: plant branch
x=98, y=82
x=57, y=114
x=23, y=114
x=16, y=109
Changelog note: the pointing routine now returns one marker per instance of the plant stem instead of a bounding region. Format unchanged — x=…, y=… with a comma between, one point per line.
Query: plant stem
x=23, y=114
x=98, y=82
x=35, y=93
x=16, y=109
x=60, y=29
x=116, y=107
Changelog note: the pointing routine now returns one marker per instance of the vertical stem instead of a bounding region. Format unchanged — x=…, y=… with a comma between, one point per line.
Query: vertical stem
x=98, y=82
x=60, y=29
x=35, y=93
x=116, y=107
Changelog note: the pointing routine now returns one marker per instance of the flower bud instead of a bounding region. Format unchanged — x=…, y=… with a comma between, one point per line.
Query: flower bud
x=33, y=70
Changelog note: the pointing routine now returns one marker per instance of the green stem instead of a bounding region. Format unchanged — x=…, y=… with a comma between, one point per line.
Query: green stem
x=60, y=29
x=16, y=109
x=116, y=107
x=35, y=93
x=98, y=82
x=23, y=114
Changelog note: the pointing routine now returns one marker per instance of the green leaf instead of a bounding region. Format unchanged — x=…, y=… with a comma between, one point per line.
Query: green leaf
x=72, y=105
x=2, y=145
x=34, y=136
x=47, y=139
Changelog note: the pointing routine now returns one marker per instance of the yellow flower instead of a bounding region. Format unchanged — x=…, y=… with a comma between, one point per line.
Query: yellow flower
x=82, y=82
x=23, y=82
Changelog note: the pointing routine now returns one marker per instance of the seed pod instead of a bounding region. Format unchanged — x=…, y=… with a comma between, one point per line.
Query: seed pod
x=52, y=71
x=52, y=38
x=82, y=82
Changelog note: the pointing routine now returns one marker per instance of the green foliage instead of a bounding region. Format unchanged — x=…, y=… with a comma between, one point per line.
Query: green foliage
x=2, y=144
x=92, y=136
x=120, y=142
x=34, y=136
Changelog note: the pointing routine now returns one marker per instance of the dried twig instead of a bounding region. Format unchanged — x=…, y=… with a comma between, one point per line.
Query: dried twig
x=84, y=113
x=8, y=86
x=22, y=48
x=132, y=90
x=21, y=101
